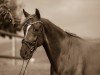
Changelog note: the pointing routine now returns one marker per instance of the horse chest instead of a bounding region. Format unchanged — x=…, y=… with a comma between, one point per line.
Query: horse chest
x=70, y=65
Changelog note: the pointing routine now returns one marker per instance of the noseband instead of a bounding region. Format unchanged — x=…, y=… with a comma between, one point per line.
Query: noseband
x=32, y=44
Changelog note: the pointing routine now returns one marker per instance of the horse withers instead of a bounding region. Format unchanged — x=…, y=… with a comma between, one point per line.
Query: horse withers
x=69, y=54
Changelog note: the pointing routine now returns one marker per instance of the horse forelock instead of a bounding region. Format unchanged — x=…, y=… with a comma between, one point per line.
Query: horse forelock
x=27, y=20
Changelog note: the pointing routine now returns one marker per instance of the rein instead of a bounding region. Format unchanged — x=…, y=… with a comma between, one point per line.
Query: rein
x=32, y=49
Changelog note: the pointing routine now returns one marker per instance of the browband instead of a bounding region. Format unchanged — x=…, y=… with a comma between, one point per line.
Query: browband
x=36, y=22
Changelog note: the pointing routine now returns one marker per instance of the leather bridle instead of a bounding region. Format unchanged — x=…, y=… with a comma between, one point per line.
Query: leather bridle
x=32, y=44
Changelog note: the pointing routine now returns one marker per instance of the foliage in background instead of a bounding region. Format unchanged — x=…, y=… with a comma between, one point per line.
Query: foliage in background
x=10, y=16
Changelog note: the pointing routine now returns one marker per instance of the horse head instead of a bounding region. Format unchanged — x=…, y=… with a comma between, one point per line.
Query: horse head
x=33, y=34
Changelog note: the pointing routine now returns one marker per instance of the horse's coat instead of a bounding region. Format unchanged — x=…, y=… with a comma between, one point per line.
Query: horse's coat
x=68, y=53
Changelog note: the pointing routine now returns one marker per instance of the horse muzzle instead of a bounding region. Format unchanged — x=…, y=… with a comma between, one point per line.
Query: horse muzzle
x=27, y=51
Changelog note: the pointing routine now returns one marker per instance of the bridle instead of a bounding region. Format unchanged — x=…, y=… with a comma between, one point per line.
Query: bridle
x=32, y=44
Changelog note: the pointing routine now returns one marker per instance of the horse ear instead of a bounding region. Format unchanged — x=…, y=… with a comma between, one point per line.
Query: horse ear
x=37, y=13
x=25, y=13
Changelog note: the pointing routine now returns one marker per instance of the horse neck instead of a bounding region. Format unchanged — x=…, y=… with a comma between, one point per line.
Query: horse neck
x=53, y=36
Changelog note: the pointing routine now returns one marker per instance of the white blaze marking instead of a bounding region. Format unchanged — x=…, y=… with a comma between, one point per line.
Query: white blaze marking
x=30, y=26
x=27, y=29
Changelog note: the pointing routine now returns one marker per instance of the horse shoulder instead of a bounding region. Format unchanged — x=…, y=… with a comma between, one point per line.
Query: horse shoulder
x=70, y=59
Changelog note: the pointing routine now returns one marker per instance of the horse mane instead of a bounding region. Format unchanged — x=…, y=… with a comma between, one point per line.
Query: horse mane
x=73, y=34
x=55, y=26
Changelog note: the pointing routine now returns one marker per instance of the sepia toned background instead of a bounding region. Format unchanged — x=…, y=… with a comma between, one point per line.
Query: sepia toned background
x=78, y=16
x=81, y=17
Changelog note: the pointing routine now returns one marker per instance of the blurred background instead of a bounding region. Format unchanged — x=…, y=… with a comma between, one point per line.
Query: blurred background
x=81, y=17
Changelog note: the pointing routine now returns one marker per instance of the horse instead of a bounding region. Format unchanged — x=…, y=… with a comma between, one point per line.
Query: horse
x=68, y=54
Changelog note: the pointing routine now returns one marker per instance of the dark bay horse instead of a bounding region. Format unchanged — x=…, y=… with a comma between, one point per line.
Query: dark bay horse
x=68, y=54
